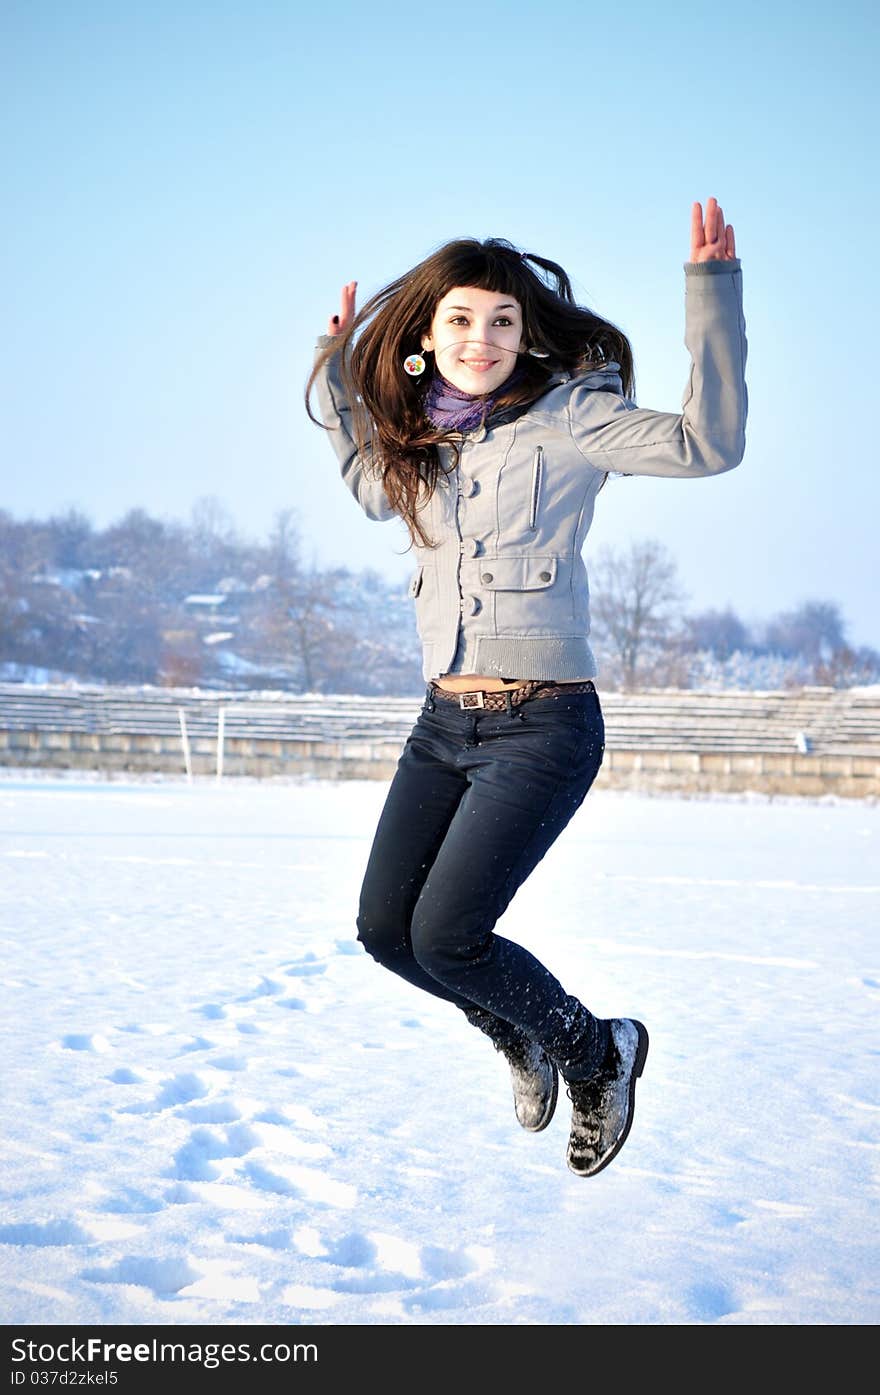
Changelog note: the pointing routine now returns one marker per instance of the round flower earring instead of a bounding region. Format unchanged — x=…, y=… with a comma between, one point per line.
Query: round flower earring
x=414, y=365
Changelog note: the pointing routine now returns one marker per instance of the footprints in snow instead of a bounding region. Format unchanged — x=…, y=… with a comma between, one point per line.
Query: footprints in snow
x=236, y=1155
x=406, y=1278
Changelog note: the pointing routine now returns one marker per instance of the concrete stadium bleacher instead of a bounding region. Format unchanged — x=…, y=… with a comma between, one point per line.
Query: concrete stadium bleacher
x=807, y=740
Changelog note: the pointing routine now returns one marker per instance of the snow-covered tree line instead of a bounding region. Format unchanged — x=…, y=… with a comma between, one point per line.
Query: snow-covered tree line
x=147, y=600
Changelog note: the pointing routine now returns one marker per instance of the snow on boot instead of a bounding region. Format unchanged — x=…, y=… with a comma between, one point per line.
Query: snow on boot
x=535, y=1083
x=532, y=1073
x=602, y=1107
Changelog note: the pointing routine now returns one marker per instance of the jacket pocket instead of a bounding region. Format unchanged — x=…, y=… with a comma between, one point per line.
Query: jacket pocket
x=535, y=491
x=525, y=595
x=415, y=582
x=517, y=573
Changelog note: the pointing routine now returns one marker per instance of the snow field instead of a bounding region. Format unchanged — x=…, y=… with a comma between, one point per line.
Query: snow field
x=219, y=1110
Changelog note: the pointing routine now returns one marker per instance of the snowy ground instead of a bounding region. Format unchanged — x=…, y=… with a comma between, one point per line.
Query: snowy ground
x=219, y=1110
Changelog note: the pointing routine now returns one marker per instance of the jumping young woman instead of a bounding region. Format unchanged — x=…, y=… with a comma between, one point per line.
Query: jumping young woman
x=476, y=400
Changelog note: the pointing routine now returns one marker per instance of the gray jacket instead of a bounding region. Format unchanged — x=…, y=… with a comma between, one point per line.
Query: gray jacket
x=505, y=593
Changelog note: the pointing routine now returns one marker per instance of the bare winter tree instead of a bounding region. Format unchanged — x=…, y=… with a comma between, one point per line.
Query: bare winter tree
x=212, y=533
x=848, y=667
x=284, y=548
x=70, y=539
x=816, y=631
x=310, y=624
x=636, y=610
x=273, y=633
x=720, y=631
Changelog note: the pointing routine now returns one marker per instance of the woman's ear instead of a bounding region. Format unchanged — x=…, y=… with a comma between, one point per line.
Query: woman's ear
x=427, y=343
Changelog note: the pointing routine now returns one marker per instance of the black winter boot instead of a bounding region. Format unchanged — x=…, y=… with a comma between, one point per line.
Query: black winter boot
x=602, y=1107
x=533, y=1075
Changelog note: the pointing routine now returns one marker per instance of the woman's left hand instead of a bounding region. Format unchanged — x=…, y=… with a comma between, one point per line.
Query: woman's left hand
x=712, y=241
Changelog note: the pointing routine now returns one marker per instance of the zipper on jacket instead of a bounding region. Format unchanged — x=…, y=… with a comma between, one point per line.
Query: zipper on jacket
x=537, y=476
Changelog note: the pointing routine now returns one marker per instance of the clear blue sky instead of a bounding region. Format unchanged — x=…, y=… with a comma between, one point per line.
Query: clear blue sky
x=188, y=184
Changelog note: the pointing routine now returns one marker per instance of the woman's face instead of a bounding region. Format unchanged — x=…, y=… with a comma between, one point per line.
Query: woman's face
x=476, y=336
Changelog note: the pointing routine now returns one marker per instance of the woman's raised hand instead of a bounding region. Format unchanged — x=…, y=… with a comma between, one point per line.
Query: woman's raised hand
x=712, y=241
x=338, y=324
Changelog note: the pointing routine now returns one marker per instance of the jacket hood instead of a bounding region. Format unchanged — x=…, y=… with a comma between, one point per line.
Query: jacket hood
x=604, y=379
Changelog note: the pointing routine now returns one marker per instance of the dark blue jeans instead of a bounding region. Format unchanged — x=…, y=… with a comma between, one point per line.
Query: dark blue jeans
x=477, y=799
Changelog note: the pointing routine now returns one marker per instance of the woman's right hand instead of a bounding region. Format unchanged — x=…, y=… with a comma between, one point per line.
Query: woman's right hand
x=338, y=324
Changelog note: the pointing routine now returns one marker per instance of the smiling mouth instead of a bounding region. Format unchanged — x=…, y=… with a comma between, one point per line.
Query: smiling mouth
x=479, y=364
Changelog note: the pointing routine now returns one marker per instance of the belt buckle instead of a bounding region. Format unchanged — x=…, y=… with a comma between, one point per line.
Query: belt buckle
x=466, y=700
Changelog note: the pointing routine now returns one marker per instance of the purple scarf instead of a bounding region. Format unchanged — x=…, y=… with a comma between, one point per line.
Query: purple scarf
x=451, y=409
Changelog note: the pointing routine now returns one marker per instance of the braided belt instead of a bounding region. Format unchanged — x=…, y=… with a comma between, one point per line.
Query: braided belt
x=503, y=700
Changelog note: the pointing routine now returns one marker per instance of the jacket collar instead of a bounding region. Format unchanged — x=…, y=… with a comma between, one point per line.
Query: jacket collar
x=604, y=379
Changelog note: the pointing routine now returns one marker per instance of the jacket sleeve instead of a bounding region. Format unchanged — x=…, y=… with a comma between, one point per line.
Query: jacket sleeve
x=335, y=412
x=709, y=435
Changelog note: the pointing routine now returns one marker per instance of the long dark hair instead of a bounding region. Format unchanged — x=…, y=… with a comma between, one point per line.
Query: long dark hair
x=387, y=404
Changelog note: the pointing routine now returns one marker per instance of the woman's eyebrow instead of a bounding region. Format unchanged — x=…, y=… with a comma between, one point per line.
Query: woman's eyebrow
x=506, y=306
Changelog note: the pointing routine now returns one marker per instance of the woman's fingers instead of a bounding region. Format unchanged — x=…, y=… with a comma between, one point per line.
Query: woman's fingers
x=714, y=220
x=722, y=232
x=710, y=238
x=339, y=323
x=697, y=238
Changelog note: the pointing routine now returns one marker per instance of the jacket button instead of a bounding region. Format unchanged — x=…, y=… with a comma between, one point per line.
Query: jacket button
x=470, y=605
x=468, y=486
x=470, y=547
x=546, y=576
x=486, y=578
